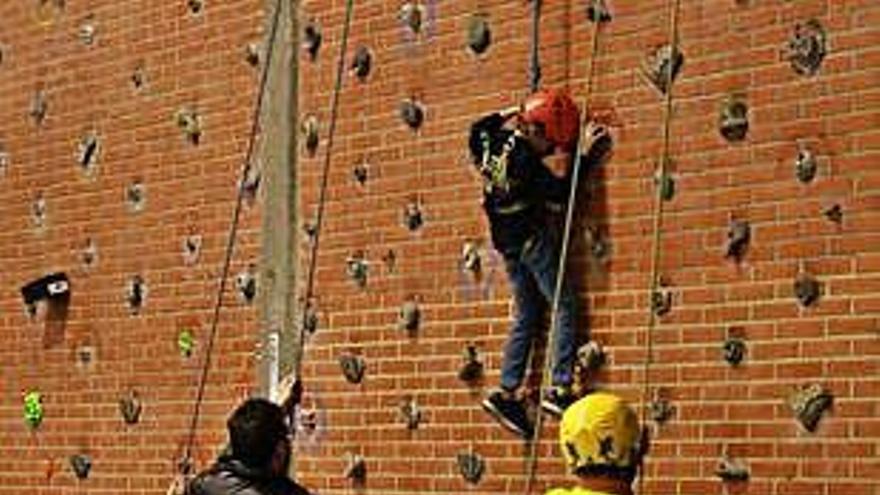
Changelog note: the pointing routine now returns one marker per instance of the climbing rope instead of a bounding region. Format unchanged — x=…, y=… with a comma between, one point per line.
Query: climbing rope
x=322, y=197
x=560, y=275
x=658, y=225
x=186, y=462
x=534, y=56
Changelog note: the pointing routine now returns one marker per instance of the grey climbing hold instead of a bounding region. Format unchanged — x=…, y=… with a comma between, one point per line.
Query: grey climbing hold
x=730, y=470
x=312, y=39
x=81, y=465
x=807, y=47
x=807, y=290
x=356, y=469
x=410, y=412
x=471, y=466
x=412, y=15
x=410, y=316
x=87, y=152
x=590, y=357
x=412, y=113
x=412, y=216
x=39, y=107
x=809, y=405
x=479, y=35
x=734, y=350
x=598, y=11
x=471, y=260
x=661, y=66
x=246, y=283
x=805, y=166
x=471, y=369
x=353, y=367
x=357, y=267
x=136, y=196
x=733, y=122
x=135, y=294
x=362, y=63
x=130, y=407
x=309, y=129
x=739, y=234
x=192, y=249
x=190, y=124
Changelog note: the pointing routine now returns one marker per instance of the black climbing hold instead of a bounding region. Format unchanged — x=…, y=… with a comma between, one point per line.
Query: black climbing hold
x=135, y=294
x=53, y=288
x=87, y=152
x=410, y=412
x=590, y=357
x=246, y=283
x=833, y=213
x=598, y=11
x=81, y=465
x=471, y=466
x=739, y=234
x=136, y=196
x=412, y=15
x=730, y=469
x=192, y=248
x=195, y=6
x=471, y=369
x=661, y=301
x=353, y=367
x=361, y=63
x=252, y=54
x=479, y=35
x=666, y=185
x=410, y=316
x=356, y=469
x=356, y=267
x=310, y=319
x=734, y=350
x=733, y=123
x=139, y=77
x=661, y=66
x=805, y=166
x=660, y=409
x=312, y=39
x=806, y=49
x=89, y=253
x=809, y=405
x=130, y=407
x=807, y=290
x=361, y=173
x=412, y=216
x=412, y=114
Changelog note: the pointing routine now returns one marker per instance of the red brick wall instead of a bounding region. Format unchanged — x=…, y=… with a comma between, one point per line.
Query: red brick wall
x=198, y=60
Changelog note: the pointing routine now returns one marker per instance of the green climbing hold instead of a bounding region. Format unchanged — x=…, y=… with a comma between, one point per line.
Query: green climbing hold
x=33, y=409
x=186, y=343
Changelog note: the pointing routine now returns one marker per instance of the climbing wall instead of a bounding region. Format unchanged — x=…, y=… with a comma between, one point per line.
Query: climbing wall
x=122, y=130
x=761, y=315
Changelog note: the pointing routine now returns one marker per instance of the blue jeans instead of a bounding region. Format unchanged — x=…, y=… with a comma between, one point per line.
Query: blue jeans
x=532, y=277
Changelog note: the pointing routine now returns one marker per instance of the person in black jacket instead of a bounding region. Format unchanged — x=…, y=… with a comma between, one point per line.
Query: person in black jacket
x=523, y=155
x=257, y=459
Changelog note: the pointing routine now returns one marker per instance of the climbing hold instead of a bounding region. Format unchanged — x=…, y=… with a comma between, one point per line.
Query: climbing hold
x=48, y=11
x=599, y=247
x=136, y=196
x=87, y=152
x=356, y=469
x=53, y=288
x=412, y=15
x=89, y=253
x=190, y=124
x=661, y=301
x=85, y=356
x=307, y=420
x=390, y=261
x=806, y=289
x=734, y=349
x=809, y=403
x=39, y=211
x=33, y=409
x=2, y=54
x=251, y=185
x=361, y=63
x=666, y=184
x=312, y=39
x=360, y=172
x=412, y=113
x=130, y=407
x=139, y=76
x=597, y=11
x=192, y=248
x=353, y=367
x=309, y=129
x=470, y=257
x=806, y=48
x=81, y=465
x=135, y=294
x=252, y=54
x=4, y=160
x=733, y=122
x=410, y=316
x=186, y=342
x=833, y=213
x=479, y=35
x=39, y=108
x=410, y=412
x=590, y=357
x=356, y=267
x=805, y=166
x=738, y=235
x=660, y=409
x=661, y=66
x=412, y=216
x=246, y=283
x=310, y=319
x=310, y=230
x=87, y=31
x=471, y=369
x=471, y=466
x=195, y=6
x=730, y=469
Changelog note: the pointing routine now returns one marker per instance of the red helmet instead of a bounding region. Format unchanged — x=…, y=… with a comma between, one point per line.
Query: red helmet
x=558, y=113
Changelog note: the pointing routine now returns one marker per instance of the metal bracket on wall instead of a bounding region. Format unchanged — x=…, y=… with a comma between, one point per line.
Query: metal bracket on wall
x=479, y=34
x=807, y=47
x=471, y=466
x=733, y=121
x=361, y=63
x=312, y=38
x=81, y=465
x=353, y=367
x=658, y=64
x=135, y=294
x=130, y=407
x=809, y=405
x=471, y=370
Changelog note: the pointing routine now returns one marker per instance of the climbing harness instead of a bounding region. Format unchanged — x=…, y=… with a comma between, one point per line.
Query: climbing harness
x=560, y=276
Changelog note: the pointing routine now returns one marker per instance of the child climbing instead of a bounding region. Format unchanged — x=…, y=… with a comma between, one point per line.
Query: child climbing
x=523, y=155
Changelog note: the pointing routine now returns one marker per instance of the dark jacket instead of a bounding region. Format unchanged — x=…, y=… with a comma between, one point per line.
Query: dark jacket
x=516, y=184
x=232, y=477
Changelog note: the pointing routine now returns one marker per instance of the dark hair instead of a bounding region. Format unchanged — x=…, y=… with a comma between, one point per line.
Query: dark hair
x=627, y=474
x=255, y=428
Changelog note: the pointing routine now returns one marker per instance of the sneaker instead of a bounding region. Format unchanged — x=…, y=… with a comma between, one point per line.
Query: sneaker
x=556, y=401
x=511, y=413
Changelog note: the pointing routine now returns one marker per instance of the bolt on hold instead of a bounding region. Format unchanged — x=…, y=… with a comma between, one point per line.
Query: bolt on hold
x=81, y=465
x=805, y=166
x=733, y=121
x=739, y=234
x=312, y=38
x=471, y=466
x=412, y=113
x=807, y=290
x=598, y=11
x=361, y=63
x=410, y=412
x=661, y=67
x=246, y=283
x=130, y=407
x=809, y=405
x=190, y=124
x=353, y=367
x=135, y=294
x=734, y=350
x=807, y=47
x=472, y=368
x=357, y=267
x=479, y=34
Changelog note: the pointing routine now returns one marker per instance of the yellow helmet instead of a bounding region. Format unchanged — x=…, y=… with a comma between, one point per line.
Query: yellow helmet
x=600, y=434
